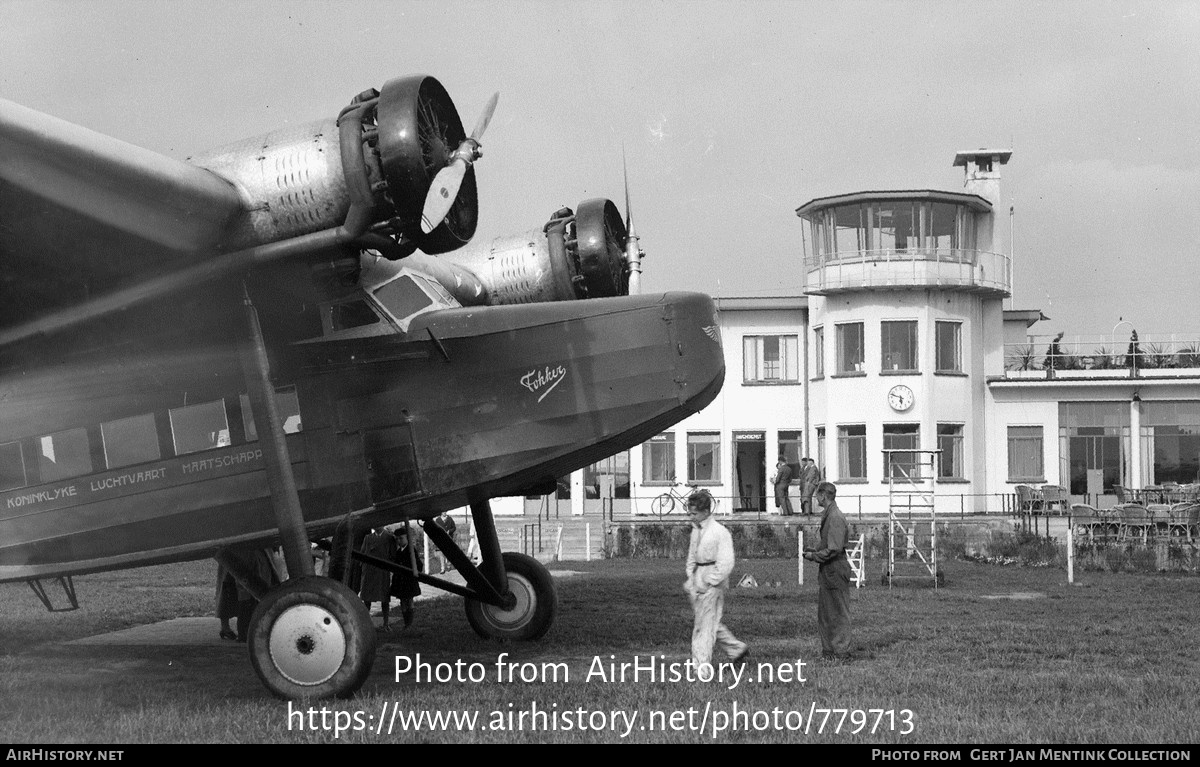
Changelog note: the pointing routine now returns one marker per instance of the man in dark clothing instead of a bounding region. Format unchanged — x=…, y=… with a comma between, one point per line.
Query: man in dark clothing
x=810, y=477
x=783, y=480
x=833, y=576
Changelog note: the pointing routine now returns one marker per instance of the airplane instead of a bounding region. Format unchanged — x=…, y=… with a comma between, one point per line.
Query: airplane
x=288, y=335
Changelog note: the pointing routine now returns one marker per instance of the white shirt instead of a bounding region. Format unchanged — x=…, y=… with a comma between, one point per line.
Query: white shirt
x=710, y=542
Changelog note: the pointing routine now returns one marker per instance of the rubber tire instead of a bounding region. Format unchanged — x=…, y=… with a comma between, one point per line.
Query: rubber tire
x=537, y=603
x=329, y=619
x=662, y=505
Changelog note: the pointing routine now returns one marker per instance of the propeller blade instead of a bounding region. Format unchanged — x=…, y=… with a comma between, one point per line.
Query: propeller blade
x=442, y=193
x=445, y=186
x=628, y=207
x=486, y=117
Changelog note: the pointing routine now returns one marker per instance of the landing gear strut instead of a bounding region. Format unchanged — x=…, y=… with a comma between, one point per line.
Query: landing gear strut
x=533, y=603
x=510, y=595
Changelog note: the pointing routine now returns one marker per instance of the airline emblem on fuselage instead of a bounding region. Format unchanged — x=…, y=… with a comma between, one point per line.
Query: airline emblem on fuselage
x=543, y=380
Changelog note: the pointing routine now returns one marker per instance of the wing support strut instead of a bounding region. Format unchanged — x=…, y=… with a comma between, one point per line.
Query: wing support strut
x=285, y=500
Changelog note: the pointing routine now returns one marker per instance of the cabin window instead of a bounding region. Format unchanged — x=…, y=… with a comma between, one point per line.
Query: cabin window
x=12, y=466
x=403, y=297
x=130, y=440
x=289, y=411
x=352, y=314
x=64, y=454
x=199, y=427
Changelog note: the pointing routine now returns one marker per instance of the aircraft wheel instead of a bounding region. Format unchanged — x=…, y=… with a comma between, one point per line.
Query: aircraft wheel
x=312, y=638
x=533, y=612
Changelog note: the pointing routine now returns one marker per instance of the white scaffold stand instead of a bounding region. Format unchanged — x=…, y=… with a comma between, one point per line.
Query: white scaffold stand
x=912, y=484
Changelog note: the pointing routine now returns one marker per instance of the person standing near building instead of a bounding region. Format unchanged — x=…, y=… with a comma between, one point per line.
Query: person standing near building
x=782, y=481
x=833, y=576
x=710, y=561
x=810, y=477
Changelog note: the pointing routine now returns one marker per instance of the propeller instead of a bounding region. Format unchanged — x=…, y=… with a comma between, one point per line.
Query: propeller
x=446, y=183
x=633, y=251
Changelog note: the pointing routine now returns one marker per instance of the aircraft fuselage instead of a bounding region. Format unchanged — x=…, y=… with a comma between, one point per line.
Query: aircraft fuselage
x=156, y=459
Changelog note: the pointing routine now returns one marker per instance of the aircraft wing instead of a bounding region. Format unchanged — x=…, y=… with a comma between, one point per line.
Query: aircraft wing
x=90, y=225
x=81, y=212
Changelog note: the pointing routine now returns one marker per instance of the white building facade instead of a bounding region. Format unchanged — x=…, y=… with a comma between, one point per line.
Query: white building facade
x=901, y=342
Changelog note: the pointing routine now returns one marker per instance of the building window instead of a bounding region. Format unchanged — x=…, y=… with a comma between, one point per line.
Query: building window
x=819, y=352
x=1170, y=436
x=770, y=359
x=704, y=457
x=852, y=452
x=1093, y=437
x=608, y=478
x=949, y=347
x=904, y=437
x=1025, y=456
x=64, y=454
x=12, y=466
x=130, y=440
x=658, y=458
x=898, y=345
x=950, y=442
x=850, y=348
x=789, y=450
x=286, y=403
x=819, y=458
x=199, y=427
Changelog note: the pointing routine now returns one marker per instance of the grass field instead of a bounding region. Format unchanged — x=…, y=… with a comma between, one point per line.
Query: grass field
x=999, y=655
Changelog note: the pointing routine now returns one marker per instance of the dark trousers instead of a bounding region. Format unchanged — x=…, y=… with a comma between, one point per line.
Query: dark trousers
x=783, y=502
x=833, y=607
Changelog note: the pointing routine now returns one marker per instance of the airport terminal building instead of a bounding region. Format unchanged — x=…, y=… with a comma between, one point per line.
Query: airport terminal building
x=901, y=342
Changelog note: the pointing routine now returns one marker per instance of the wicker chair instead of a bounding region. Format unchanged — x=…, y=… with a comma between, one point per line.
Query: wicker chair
x=1029, y=500
x=1135, y=522
x=1054, y=499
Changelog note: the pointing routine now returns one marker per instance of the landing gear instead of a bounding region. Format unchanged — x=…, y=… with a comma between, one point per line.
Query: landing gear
x=530, y=611
x=312, y=638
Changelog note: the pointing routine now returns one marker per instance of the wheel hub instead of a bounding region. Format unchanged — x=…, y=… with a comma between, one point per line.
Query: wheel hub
x=518, y=605
x=307, y=644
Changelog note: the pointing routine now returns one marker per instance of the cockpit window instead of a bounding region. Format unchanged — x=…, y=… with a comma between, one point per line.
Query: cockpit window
x=352, y=314
x=403, y=297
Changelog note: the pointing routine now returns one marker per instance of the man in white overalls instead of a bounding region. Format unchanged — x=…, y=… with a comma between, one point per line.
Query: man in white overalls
x=709, y=563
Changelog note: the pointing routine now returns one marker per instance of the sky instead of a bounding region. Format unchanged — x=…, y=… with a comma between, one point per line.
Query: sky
x=730, y=115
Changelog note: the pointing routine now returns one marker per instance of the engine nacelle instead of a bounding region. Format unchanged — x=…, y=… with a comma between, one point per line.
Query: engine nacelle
x=575, y=255
x=383, y=150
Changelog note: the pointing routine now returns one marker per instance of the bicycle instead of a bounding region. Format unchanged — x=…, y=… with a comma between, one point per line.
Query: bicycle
x=671, y=500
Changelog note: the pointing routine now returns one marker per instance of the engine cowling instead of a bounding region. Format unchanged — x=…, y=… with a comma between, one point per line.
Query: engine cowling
x=385, y=147
x=577, y=254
